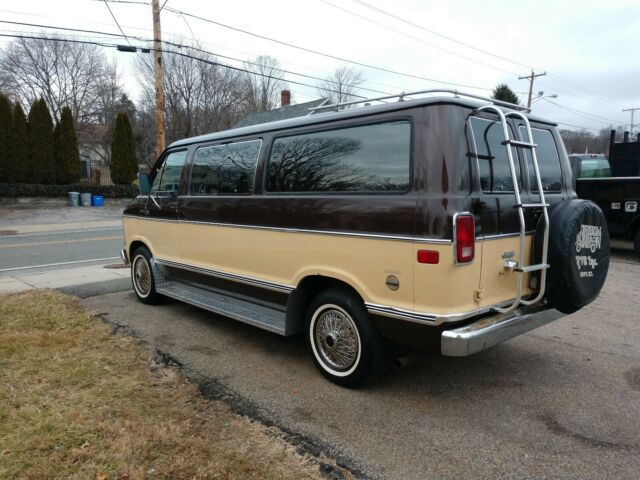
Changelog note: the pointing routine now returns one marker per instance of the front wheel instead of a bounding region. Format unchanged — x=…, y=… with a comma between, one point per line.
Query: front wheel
x=345, y=345
x=142, y=277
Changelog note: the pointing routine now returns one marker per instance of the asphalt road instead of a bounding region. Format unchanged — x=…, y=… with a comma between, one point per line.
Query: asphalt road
x=33, y=252
x=559, y=402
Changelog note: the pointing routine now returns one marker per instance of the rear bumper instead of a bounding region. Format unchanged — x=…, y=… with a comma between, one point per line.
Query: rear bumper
x=492, y=330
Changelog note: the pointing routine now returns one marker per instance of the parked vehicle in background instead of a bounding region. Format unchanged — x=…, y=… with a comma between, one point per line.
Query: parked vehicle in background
x=444, y=223
x=618, y=197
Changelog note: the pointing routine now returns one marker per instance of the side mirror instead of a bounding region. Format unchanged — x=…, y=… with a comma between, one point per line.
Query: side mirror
x=143, y=183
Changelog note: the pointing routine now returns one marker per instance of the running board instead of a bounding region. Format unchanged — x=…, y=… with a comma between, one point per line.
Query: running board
x=261, y=316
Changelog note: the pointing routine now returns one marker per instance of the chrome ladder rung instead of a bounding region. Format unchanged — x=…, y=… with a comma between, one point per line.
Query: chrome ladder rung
x=518, y=143
x=532, y=205
x=532, y=268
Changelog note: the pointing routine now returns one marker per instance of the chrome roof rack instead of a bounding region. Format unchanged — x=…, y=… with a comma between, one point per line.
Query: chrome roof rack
x=401, y=97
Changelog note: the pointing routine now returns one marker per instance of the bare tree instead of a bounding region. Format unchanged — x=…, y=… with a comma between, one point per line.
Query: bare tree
x=63, y=73
x=342, y=85
x=200, y=97
x=264, y=84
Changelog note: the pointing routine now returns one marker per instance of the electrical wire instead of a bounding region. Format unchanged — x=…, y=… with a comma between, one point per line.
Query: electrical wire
x=116, y=20
x=486, y=52
x=316, y=52
x=417, y=39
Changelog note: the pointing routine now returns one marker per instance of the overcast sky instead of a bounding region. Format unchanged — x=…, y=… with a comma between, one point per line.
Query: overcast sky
x=590, y=49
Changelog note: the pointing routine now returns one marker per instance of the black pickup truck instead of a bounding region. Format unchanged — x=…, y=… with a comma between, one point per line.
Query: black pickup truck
x=618, y=197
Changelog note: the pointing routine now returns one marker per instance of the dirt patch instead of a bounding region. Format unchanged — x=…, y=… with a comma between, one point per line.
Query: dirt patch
x=555, y=426
x=78, y=401
x=632, y=376
x=4, y=233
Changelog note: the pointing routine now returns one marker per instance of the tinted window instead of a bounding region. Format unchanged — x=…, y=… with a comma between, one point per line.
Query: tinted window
x=167, y=178
x=370, y=158
x=548, y=160
x=493, y=162
x=225, y=169
x=597, y=167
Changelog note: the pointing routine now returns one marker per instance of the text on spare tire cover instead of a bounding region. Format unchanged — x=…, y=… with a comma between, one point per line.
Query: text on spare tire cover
x=589, y=238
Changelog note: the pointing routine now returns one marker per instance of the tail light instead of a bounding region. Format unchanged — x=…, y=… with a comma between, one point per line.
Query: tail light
x=464, y=237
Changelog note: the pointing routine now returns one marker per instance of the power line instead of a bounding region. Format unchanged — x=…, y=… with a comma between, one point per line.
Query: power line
x=200, y=50
x=404, y=34
x=587, y=115
x=316, y=52
x=116, y=20
x=486, y=52
x=171, y=52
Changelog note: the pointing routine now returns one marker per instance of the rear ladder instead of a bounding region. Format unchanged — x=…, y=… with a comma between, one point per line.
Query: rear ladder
x=519, y=268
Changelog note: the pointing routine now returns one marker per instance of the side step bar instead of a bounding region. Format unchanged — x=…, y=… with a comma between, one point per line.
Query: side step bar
x=261, y=316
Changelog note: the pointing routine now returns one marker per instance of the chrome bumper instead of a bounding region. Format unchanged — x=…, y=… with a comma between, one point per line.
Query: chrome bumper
x=490, y=331
x=124, y=256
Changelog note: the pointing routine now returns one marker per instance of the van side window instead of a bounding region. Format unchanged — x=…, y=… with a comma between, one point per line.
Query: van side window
x=225, y=169
x=368, y=158
x=167, y=178
x=548, y=160
x=493, y=162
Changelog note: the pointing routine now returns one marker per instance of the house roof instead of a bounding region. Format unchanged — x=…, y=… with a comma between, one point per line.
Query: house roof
x=283, y=113
x=92, y=133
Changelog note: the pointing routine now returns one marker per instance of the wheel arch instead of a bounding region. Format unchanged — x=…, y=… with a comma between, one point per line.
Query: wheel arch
x=301, y=296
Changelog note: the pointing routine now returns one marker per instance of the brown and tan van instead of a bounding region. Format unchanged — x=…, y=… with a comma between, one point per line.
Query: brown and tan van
x=445, y=222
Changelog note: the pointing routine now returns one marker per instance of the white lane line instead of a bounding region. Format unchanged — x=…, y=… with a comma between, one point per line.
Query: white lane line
x=57, y=264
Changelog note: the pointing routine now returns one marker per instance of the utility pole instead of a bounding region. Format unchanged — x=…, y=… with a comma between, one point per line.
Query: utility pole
x=159, y=74
x=531, y=78
x=632, y=110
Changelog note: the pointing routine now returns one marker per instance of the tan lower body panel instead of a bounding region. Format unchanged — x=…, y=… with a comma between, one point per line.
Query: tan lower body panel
x=286, y=258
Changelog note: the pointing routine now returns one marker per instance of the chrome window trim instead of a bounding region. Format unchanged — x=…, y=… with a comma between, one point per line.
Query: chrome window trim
x=226, y=275
x=441, y=241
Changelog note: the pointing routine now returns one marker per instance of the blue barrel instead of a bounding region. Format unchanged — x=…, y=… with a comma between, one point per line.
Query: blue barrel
x=97, y=200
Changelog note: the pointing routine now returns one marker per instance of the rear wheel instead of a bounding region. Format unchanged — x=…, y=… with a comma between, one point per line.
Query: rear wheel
x=344, y=343
x=142, y=277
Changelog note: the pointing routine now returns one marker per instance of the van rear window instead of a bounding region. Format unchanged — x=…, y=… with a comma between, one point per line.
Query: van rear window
x=493, y=163
x=368, y=158
x=548, y=160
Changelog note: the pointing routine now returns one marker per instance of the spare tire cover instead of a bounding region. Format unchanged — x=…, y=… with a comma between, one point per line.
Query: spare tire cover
x=578, y=254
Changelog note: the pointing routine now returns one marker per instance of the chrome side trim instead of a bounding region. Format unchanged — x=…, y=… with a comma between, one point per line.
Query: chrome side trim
x=423, y=317
x=502, y=235
x=226, y=275
x=441, y=241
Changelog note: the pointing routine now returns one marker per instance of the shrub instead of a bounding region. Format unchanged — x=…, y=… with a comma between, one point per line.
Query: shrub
x=40, y=137
x=18, y=166
x=67, y=156
x=5, y=134
x=124, y=166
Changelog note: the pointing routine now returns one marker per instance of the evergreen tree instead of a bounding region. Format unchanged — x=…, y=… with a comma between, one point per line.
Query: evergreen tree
x=504, y=93
x=5, y=130
x=124, y=166
x=18, y=171
x=40, y=136
x=67, y=156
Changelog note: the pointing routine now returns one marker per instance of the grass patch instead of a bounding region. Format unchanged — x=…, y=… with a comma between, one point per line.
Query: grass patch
x=79, y=402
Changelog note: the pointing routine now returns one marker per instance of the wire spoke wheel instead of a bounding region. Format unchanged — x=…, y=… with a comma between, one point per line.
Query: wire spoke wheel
x=336, y=339
x=142, y=276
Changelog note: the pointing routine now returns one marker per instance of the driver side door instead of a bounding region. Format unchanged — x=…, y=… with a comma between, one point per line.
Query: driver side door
x=162, y=206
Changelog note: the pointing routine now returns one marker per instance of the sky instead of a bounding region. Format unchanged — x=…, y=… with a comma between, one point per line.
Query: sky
x=590, y=50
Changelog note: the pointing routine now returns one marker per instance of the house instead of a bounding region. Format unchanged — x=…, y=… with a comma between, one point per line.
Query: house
x=285, y=111
x=95, y=153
